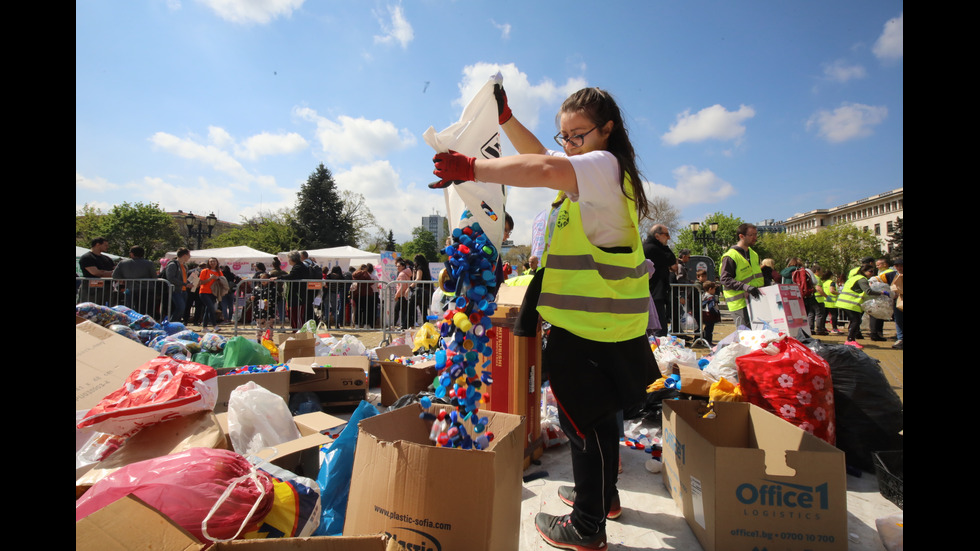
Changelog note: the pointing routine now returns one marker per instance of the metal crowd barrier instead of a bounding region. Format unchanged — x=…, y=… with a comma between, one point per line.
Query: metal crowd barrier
x=152, y=297
x=685, y=300
x=285, y=305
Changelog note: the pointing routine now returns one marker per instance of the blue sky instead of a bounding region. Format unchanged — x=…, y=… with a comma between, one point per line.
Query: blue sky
x=758, y=109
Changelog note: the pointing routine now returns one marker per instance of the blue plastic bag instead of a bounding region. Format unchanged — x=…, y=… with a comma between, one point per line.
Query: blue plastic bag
x=336, y=464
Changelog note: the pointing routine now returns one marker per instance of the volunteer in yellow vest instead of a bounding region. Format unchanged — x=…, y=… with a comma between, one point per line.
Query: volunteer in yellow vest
x=885, y=274
x=592, y=287
x=852, y=294
x=826, y=295
x=741, y=275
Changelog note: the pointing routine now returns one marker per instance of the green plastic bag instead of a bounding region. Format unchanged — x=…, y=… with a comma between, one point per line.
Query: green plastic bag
x=238, y=351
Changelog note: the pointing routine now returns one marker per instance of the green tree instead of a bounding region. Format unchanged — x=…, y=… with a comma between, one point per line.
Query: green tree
x=126, y=225
x=838, y=248
x=320, y=220
x=271, y=232
x=724, y=238
x=423, y=242
x=896, y=240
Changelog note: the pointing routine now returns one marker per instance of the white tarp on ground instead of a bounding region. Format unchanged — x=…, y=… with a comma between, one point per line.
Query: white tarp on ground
x=239, y=259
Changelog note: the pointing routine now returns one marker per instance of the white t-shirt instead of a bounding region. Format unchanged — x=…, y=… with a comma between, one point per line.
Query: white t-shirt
x=605, y=217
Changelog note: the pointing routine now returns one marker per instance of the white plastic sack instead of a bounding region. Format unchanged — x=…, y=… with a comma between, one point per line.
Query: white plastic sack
x=760, y=338
x=722, y=364
x=258, y=419
x=476, y=134
x=881, y=306
x=669, y=355
x=348, y=345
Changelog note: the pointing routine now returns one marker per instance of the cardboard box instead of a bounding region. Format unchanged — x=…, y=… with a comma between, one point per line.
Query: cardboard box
x=275, y=382
x=296, y=345
x=130, y=523
x=746, y=479
x=301, y=456
x=399, y=379
x=336, y=380
x=516, y=367
x=103, y=360
x=781, y=306
x=433, y=497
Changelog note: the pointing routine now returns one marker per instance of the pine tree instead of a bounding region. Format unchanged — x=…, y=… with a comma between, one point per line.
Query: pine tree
x=319, y=212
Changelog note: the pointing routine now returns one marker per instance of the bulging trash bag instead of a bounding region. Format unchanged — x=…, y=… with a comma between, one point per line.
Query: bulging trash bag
x=881, y=306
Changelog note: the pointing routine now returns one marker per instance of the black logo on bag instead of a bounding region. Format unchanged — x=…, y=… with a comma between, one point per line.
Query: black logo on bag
x=491, y=149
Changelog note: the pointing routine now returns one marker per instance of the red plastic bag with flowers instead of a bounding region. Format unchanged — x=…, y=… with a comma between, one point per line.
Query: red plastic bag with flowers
x=791, y=381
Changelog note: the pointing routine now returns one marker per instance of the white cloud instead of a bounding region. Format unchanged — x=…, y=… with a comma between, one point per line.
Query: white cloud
x=397, y=30
x=890, y=45
x=504, y=29
x=93, y=184
x=841, y=71
x=350, y=140
x=219, y=137
x=211, y=155
x=693, y=187
x=264, y=144
x=526, y=100
x=713, y=122
x=247, y=12
x=847, y=122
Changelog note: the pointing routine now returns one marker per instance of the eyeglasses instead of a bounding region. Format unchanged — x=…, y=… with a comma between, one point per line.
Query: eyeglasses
x=574, y=141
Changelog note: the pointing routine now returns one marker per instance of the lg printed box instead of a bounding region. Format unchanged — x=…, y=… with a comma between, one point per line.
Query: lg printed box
x=748, y=480
x=428, y=497
x=336, y=380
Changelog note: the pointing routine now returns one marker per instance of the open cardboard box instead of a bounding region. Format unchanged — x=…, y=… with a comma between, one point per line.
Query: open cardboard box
x=398, y=379
x=301, y=456
x=336, y=380
x=130, y=523
x=103, y=361
x=296, y=345
x=746, y=479
x=431, y=497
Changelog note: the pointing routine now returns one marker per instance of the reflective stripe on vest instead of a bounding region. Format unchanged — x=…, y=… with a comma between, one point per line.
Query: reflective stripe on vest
x=848, y=299
x=747, y=271
x=591, y=293
x=818, y=292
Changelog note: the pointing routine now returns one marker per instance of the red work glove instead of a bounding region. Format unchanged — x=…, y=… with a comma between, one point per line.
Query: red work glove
x=503, y=110
x=452, y=168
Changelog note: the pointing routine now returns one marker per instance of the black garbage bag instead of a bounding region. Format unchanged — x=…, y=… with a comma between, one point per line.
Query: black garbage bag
x=652, y=406
x=868, y=411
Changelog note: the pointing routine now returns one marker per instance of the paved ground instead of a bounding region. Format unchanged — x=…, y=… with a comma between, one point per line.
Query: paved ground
x=650, y=519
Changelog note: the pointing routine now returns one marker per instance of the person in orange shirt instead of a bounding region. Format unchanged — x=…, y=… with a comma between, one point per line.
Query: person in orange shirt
x=209, y=274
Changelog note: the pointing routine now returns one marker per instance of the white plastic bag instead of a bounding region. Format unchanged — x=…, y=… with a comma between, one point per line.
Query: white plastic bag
x=673, y=353
x=722, y=364
x=348, y=345
x=258, y=419
x=880, y=307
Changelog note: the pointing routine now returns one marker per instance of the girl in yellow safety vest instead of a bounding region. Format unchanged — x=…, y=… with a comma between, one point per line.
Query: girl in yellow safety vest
x=592, y=288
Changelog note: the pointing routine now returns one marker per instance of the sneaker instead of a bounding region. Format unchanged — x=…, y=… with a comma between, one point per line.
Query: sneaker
x=559, y=532
x=899, y=345
x=835, y=332
x=855, y=344
x=567, y=495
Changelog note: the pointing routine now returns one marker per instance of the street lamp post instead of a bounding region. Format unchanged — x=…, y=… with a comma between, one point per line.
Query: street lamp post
x=199, y=233
x=703, y=237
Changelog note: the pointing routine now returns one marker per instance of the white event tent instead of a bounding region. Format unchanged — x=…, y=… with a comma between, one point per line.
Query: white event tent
x=239, y=259
x=343, y=256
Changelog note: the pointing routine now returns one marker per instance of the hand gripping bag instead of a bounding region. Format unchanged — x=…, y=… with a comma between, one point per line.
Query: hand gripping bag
x=216, y=495
x=791, y=381
x=161, y=389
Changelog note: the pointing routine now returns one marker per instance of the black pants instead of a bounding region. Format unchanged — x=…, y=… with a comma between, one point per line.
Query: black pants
x=592, y=382
x=854, y=324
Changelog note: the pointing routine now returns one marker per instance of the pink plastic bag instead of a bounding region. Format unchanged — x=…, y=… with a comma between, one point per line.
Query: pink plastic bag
x=216, y=495
x=163, y=388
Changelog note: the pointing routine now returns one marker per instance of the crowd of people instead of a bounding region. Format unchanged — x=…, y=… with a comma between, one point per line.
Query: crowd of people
x=273, y=294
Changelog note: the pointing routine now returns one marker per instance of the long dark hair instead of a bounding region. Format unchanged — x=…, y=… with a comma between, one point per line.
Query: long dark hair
x=600, y=107
x=422, y=265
